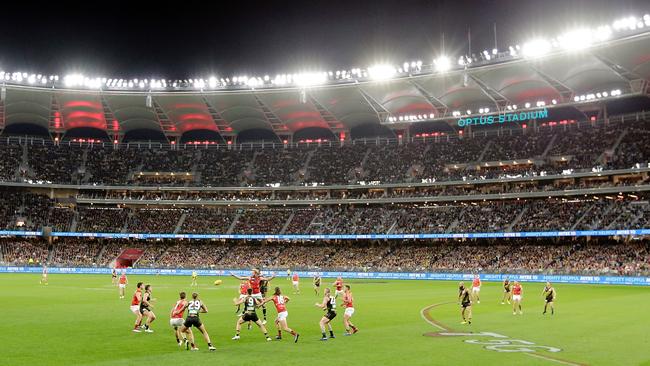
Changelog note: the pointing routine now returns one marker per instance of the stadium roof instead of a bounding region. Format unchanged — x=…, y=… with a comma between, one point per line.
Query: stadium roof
x=561, y=78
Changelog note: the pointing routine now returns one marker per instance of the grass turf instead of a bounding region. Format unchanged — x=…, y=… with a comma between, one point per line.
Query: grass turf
x=79, y=319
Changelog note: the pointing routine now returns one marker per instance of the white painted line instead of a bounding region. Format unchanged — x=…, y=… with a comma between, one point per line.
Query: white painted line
x=537, y=355
x=427, y=320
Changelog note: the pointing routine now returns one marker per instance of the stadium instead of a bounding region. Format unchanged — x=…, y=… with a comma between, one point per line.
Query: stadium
x=520, y=170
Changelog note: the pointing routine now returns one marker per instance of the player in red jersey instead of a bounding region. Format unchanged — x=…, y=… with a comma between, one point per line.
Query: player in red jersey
x=280, y=303
x=295, y=280
x=123, y=281
x=476, y=289
x=517, y=293
x=348, y=304
x=254, y=281
x=338, y=285
x=135, y=306
x=176, y=320
x=243, y=291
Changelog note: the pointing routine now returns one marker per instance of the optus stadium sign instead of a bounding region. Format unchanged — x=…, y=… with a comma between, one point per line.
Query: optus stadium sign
x=503, y=118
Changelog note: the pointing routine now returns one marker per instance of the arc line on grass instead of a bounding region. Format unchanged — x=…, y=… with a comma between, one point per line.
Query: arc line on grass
x=424, y=313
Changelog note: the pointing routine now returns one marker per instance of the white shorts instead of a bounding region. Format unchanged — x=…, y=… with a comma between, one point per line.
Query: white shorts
x=176, y=322
x=476, y=289
x=241, y=296
x=516, y=297
x=257, y=296
x=349, y=311
x=122, y=285
x=283, y=315
x=295, y=283
x=135, y=309
x=338, y=292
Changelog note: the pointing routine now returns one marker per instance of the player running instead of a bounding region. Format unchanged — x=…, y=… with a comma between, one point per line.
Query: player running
x=338, y=284
x=194, y=307
x=254, y=281
x=280, y=303
x=250, y=303
x=176, y=320
x=135, y=306
x=329, y=305
x=348, y=304
x=44, y=276
x=517, y=293
x=145, y=308
x=123, y=281
x=114, y=276
x=317, y=281
x=295, y=281
x=550, y=294
x=194, y=277
x=476, y=288
x=465, y=301
x=506, y=291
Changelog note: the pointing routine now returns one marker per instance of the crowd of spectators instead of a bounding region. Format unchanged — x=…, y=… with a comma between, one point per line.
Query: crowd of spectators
x=549, y=256
x=443, y=157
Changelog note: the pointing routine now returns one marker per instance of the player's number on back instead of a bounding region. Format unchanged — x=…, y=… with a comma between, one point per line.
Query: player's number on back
x=194, y=306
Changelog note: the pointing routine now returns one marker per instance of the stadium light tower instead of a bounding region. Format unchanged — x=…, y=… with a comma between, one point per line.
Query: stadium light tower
x=381, y=72
x=536, y=48
x=576, y=39
x=442, y=64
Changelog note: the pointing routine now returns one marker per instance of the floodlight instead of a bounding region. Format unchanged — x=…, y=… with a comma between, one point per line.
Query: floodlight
x=442, y=63
x=310, y=79
x=576, y=39
x=536, y=48
x=527, y=105
x=381, y=72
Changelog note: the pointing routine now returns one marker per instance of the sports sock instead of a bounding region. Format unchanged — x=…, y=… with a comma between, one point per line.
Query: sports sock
x=264, y=312
x=324, y=335
x=279, y=333
x=209, y=344
x=331, y=333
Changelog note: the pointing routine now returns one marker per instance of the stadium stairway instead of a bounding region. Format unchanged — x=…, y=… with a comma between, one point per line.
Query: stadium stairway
x=129, y=217
x=611, y=152
x=287, y=223
x=75, y=221
x=549, y=146
x=516, y=219
x=582, y=217
x=234, y=222
x=180, y=222
x=485, y=150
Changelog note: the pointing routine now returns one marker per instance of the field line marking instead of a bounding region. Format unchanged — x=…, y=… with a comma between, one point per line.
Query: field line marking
x=548, y=358
x=424, y=313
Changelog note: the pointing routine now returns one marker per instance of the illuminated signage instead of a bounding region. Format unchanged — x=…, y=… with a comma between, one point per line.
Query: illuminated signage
x=503, y=118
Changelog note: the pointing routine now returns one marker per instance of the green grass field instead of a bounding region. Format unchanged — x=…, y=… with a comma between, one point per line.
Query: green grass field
x=79, y=320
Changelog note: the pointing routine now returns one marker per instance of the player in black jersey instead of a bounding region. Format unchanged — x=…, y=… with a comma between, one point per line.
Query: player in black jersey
x=250, y=304
x=506, y=291
x=114, y=277
x=549, y=293
x=317, y=284
x=329, y=305
x=465, y=301
x=145, y=308
x=194, y=307
x=264, y=288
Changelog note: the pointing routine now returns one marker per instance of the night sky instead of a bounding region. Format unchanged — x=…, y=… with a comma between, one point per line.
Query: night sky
x=184, y=39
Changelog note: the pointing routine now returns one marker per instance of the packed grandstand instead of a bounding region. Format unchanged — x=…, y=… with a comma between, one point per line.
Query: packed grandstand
x=356, y=158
